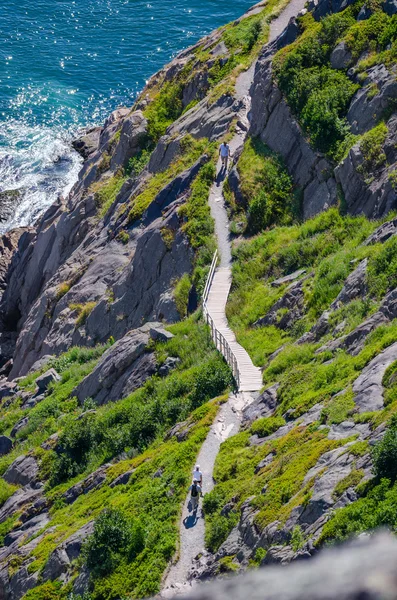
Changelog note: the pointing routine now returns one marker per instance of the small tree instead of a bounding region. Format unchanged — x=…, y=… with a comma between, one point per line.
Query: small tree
x=384, y=454
x=113, y=538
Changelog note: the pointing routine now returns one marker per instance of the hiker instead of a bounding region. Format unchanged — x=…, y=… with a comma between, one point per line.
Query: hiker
x=195, y=491
x=224, y=151
x=197, y=475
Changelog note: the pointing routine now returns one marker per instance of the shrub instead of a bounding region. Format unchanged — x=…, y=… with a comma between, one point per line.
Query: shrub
x=113, y=537
x=63, y=289
x=83, y=312
x=217, y=532
x=351, y=480
x=210, y=382
x=382, y=269
x=297, y=538
x=6, y=491
x=267, y=425
x=181, y=295
x=317, y=94
x=265, y=185
x=105, y=193
x=137, y=163
x=384, y=453
x=371, y=147
x=123, y=237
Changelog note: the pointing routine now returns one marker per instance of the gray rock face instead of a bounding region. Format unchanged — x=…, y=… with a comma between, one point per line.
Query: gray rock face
x=341, y=57
x=132, y=136
x=287, y=310
x=123, y=368
x=7, y=388
x=18, y=426
x=88, y=143
x=23, y=471
x=122, y=479
x=159, y=334
x=92, y=482
x=382, y=233
x=60, y=559
x=354, y=341
x=320, y=8
x=50, y=376
x=21, y=498
x=365, y=568
x=376, y=196
x=338, y=466
x=5, y=444
x=355, y=286
x=263, y=406
x=364, y=111
x=170, y=363
x=368, y=386
x=288, y=278
x=272, y=120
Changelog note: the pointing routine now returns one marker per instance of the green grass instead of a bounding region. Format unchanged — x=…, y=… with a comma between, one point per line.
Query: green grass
x=294, y=454
x=378, y=508
x=190, y=152
x=105, y=192
x=371, y=146
x=83, y=312
x=181, y=295
x=329, y=248
x=155, y=501
x=266, y=188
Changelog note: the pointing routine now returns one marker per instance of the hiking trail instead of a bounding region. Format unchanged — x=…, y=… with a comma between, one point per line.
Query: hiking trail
x=228, y=420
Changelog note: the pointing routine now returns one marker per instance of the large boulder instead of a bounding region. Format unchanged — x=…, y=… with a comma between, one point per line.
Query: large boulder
x=132, y=136
x=5, y=445
x=366, y=107
x=372, y=195
x=341, y=57
x=122, y=369
x=287, y=310
x=50, y=376
x=22, y=471
x=355, y=286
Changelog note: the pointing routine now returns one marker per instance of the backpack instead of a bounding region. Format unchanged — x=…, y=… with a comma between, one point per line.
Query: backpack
x=194, y=491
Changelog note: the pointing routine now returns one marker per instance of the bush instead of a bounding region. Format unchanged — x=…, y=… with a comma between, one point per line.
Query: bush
x=267, y=425
x=317, y=94
x=217, y=532
x=210, y=382
x=384, y=453
x=114, y=537
x=181, y=295
x=137, y=163
x=265, y=185
x=382, y=269
x=83, y=312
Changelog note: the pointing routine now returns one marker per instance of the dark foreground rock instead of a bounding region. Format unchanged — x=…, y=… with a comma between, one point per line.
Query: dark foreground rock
x=364, y=569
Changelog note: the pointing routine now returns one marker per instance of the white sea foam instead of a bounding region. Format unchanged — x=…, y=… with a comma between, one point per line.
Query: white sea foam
x=40, y=162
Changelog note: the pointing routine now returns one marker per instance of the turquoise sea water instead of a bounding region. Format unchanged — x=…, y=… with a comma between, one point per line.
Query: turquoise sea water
x=67, y=64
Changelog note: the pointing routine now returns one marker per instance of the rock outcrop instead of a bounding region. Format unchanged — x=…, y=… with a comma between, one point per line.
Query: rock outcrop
x=363, y=569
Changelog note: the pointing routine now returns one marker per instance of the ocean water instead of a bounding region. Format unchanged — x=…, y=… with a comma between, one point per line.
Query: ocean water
x=67, y=64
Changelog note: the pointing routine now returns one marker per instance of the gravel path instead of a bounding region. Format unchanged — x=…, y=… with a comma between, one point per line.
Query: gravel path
x=192, y=527
x=228, y=420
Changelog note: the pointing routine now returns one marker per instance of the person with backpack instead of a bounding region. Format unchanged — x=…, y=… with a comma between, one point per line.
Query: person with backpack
x=195, y=491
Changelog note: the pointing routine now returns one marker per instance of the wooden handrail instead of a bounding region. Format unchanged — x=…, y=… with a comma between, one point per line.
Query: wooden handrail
x=218, y=338
x=210, y=276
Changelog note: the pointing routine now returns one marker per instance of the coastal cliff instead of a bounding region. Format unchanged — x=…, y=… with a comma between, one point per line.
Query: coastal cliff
x=110, y=381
